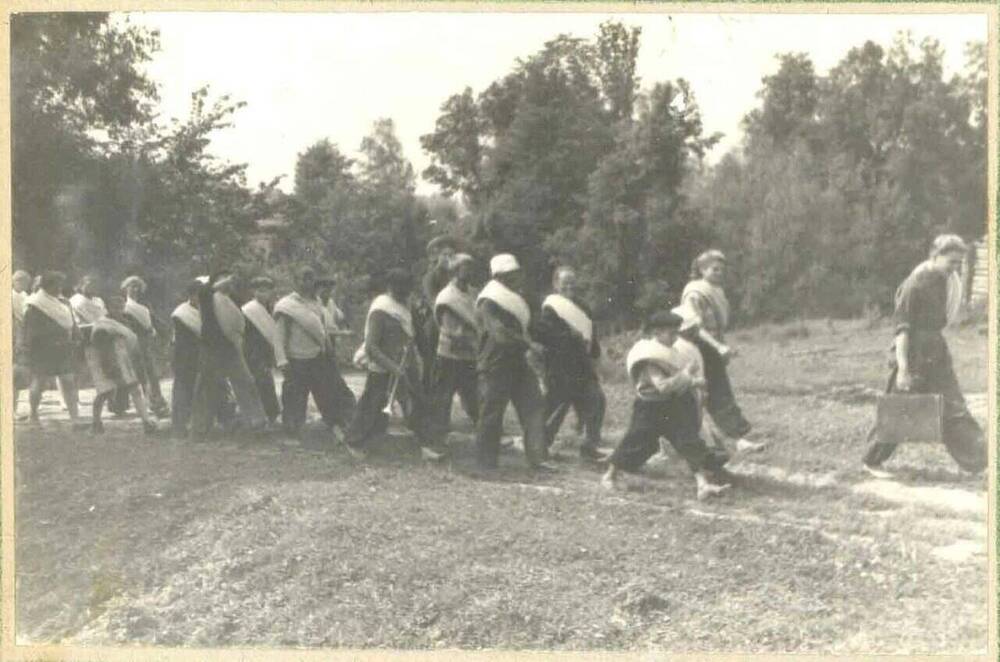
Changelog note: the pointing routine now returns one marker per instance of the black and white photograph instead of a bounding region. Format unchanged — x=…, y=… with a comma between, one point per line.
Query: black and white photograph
x=503, y=329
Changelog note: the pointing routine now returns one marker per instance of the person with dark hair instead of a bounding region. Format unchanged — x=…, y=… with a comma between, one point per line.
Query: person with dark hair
x=113, y=356
x=393, y=367
x=221, y=358
x=455, y=363
x=664, y=406
x=261, y=349
x=704, y=294
x=87, y=306
x=505, y=376
x=306, y=355
x=566, y=330
x=139, y=318
x=926, y=302
x=187, y=340
x=49, y=335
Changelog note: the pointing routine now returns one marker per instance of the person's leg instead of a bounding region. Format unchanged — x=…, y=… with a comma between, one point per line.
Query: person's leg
x=140, y=405
x=181, y=400
x=294, y=396
x=208, y=393
x=495, y=389
x=641, y=439
x=35, y=394
x=530, y=407
x=721, y=402
x=152, y=385
x=118, y=404
x=96, y=425
x=369, y=418
x=264, y=382
x=962, y=435
x=557, y=403
x=879, y=452
x=247, y=398
x=70, y=396
x=591, y=405
x=417, y=414
x=333, y=397
x=467, y=384
x=681, y=430
x=343, y=399
x=445, y=383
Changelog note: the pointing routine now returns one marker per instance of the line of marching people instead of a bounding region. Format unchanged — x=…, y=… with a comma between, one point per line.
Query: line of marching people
x=488, y=347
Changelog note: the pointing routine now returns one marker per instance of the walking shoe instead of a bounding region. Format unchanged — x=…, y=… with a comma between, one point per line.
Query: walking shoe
x=545, y=468
x=747, y=446
x=707, y=490
x=593, y=454
x=97, y=427
x=875, y=472
x=358, y=454
x=610, y=484
x=148, y=427
x=431, y=455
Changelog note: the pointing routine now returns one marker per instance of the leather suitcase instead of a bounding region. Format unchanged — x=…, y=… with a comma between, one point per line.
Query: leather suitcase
x=906, y=418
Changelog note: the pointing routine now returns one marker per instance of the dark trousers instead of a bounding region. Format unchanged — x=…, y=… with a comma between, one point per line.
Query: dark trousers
x=721, y=402
x=263, y=378
x=961, y=433
x=182, y=399
x=584, y=394
x=216, y=366
x=370, y=419
x=321, y=378
x=452, y=376
x=676, y=419
x=511, y=381
x=119, y=401
x=151, y=383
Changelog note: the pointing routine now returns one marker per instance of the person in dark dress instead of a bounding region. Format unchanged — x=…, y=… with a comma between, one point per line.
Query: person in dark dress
x=566, y=330
x=50, y=332
x=921, y=362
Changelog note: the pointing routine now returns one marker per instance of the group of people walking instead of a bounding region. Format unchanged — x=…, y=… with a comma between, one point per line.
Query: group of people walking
x=490, y=347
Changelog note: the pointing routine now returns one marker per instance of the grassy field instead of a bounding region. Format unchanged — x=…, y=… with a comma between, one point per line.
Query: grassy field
x=126, y=539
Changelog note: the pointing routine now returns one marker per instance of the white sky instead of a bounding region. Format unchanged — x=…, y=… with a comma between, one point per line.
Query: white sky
x=311, y=76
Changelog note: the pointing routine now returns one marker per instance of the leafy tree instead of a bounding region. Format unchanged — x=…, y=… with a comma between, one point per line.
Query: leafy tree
x=76, y=81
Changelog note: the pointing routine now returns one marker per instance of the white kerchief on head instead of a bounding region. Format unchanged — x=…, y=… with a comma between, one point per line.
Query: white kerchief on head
x=503, y=263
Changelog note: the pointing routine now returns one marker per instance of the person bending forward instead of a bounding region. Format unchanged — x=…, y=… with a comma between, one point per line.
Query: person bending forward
x=665, y=406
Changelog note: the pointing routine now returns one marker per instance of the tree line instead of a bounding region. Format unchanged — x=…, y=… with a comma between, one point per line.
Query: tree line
x=833, y=194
